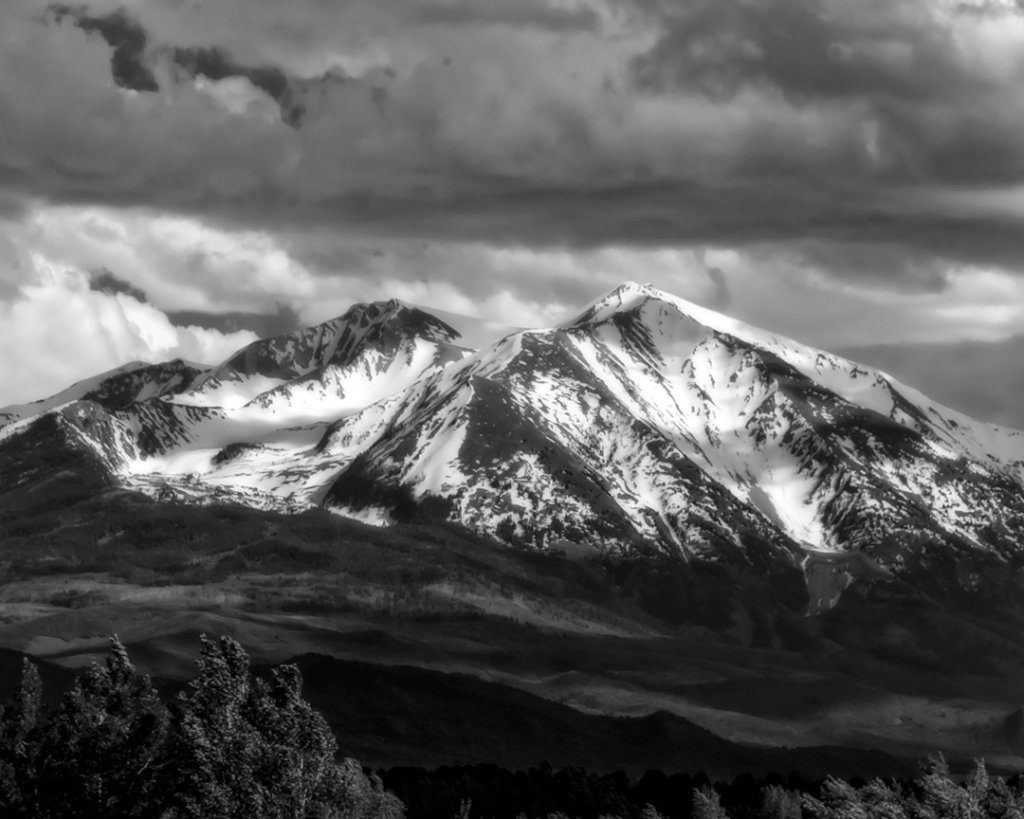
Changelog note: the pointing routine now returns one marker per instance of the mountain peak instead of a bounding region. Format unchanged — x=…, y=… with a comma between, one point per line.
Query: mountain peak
x=631, y=288
x=374, y=309
x=398, y=314
x=631, y=296
x=622, y=297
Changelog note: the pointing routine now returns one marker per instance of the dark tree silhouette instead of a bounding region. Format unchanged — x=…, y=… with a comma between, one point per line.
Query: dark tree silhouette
x=229, y=747
x=253, y=749
x=99, y=750
x=18, y=745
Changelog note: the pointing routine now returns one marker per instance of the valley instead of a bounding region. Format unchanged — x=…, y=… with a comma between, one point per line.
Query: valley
x=527, y=632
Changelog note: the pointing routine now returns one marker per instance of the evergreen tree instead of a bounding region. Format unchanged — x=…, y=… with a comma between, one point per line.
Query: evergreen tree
x=252, y=749
x=214, y=746
x=1000, y=801
x=884, y=801
x=18, y=745
x=839, y=800
x=941, y=797
x=707, y=804
x=779, y=803
x=976, y=790
x=99, y=751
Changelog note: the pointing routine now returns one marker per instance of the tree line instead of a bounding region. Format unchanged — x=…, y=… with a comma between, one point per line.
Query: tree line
x=228, y=746
x=232, y=745
x=491, y=792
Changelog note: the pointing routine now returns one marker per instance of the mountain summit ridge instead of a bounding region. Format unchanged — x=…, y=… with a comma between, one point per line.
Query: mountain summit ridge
x=644, y=425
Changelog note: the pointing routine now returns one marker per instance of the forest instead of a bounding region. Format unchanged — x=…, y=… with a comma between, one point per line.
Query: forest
x=232, y=743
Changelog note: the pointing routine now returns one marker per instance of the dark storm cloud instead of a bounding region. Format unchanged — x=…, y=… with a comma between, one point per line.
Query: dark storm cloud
x=938, y=117
x=133, y=54
x=104, y=281
x=845, y=131
x=127, y=40
x=809, y=49
x=524, y=13
x=283, y=320
x=265, y=325
x=654, y=214
x=215, y=64
x=132, y=59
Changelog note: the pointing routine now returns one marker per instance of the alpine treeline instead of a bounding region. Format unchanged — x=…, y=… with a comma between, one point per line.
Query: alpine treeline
x=229, y=746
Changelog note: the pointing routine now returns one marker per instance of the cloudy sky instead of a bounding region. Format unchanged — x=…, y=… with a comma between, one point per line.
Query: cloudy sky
x=177, y=174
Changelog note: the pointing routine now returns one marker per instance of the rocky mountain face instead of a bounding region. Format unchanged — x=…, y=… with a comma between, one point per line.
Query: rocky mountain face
x=645, y=426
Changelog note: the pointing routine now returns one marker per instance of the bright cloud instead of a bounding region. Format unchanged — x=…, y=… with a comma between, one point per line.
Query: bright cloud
x=57, y=331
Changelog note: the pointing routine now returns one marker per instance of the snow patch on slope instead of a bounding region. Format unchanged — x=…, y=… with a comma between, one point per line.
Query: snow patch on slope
x=227, y=394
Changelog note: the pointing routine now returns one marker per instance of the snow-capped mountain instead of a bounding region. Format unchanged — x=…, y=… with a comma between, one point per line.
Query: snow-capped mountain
x=644, y=425
x=117, y=389
x=366, y=354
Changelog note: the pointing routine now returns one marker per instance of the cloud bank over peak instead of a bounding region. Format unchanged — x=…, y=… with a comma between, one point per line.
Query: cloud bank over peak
x=844, y=162
x=64, y=328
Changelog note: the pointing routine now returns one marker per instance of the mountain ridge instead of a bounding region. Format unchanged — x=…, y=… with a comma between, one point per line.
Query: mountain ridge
x=643, y=425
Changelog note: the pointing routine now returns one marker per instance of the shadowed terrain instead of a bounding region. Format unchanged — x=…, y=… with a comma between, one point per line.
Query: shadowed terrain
x=421, y=643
